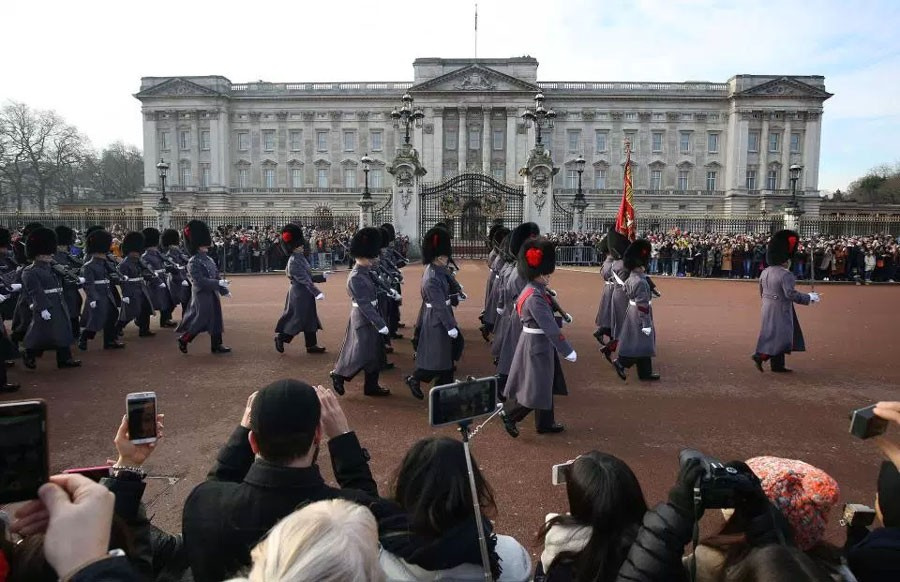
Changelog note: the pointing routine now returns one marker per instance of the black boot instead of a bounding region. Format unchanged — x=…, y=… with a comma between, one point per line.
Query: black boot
x=146, y=333
x=554, y=428
x=216, y=345
x=315, y=350
x=82, y=343
x=183, y=343
x=509, y=425
x=337, y=382
x=758, y=361
x=9, y=388
x=620, y=369
x=29, y=359
x=279, y=343
x=415, y=387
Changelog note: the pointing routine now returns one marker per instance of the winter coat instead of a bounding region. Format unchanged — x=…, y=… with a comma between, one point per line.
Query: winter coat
x=619, y=301
x=43, y=291
x=655, y=555
x=133, y=288
x=204, y=314
x=300, y=313
x=561, y=539
x=780, y=331
x=70, y=290
x=97, y=289
x=726, y=259
x=634, y=343
x=514, y=561
x=180, y=293
x=535, y=375
x=876, y=558
x=363, y=347
x=603, y=320
x=515, y=283
x=435, y=348
x=157, y=290
x=502, y=308
x=491, y=290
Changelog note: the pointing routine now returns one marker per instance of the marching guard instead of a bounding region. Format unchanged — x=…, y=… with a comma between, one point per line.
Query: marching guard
x=636, y=335
x=136, y=304
x=157, y=289
x=65, y=238
x=300, y=313
x=496, y=260
x=437, y=326
x=99, y=312
x=536, y=374
x=363, y=347
x=395, y=262
x=9, y=352
x=618, y=300
x=21, y=317
x=780, y=331
x=602, y=321
x=204, y=314
x=177, y=260
x=50, y=327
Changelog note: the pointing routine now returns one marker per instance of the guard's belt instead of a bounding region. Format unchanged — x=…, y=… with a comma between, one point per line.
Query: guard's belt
x=533, y=330
x=54, y=290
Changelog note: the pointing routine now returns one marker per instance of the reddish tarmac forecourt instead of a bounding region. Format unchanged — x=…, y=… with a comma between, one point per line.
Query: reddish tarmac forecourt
x=710, y=397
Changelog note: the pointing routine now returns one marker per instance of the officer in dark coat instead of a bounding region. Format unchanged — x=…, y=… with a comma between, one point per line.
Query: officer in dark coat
x=602, y=321
x=8, y=350
x=507, y=338
x=637, y=333
x=100, y=310
x=780, y=331
x=437, y=326
x=51, y=325
x=388, y=305
x=363, y=347
x=65, y=238
x=535, y=375
x=157, y=290
x=205, y=311
x=618, y=301
x=9, y=274
x=496, y=260
x=300, y=315
x=136, y=304
x=21, y=318
x=177, y=260
x=397, y=261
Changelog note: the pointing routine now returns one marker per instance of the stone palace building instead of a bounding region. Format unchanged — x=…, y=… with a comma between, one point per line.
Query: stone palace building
x=714, y=148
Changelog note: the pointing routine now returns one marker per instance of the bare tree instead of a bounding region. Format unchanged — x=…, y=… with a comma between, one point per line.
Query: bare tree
x=121, y=170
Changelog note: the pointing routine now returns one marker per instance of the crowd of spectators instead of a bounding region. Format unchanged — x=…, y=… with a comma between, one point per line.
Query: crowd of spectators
x=266, y=512
x=864, y=259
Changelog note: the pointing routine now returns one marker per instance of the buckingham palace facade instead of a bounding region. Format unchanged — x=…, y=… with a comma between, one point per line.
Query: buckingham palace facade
x=720, y=148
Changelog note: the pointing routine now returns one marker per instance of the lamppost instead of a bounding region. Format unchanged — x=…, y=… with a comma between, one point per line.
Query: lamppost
x=407, y=116
x=540, y=117
x=793, y=212
x=365, y=203
x=579, y=204
x=163, y=168
x=366, y=163
x=795, y=177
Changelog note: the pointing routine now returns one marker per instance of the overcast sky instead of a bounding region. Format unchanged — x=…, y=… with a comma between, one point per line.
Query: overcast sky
x=85, y=59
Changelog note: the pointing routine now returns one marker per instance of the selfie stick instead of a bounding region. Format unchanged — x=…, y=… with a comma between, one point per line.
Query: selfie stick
x=482, y=542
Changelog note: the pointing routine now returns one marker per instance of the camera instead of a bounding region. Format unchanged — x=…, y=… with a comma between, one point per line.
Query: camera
x=560, y=473
x=857, y=515
x=719, y=485
x=462, y=401
x=865, y=425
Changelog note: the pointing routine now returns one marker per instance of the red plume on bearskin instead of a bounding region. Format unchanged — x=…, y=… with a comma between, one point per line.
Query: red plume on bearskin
x=637, y=254
x=782, y=247
x=536, y=257
x=286, y=237
x=533, y=257
x=436, y=243
x=366, y=243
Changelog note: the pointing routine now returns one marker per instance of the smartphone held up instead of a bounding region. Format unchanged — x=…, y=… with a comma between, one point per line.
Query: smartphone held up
x=865, y=425
x=24, y=458
x=462, y=401
x=141, y=410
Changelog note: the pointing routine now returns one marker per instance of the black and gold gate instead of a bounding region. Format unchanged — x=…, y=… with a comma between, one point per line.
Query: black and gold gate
x=469, y=204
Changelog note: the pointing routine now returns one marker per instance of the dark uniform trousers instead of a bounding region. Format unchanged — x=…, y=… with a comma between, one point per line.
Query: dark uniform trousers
x=441, y=377
x=644, y=365
x=308, y=336
x=543, y=419
x=110, y=331
x=63, y=355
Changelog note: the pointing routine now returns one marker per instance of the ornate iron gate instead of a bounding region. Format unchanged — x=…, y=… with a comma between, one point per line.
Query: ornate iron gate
x=562, y=217
x=383, y=213
x=468, y=204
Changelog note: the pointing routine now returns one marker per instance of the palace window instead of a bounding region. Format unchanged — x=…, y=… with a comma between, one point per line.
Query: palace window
x=474, y=138
x=602, y=139
x=164, y=140
x=682, y=179
x=204, y=140
x=187, y=177
x=377, y=139
x=497, y=140
x=571, y=179
x=751, y=179
x=795, y=143
x=184, y=139
x=450, y=138
x=654, y=207
x=772, y=180
x=243, y=141
x=774, y=141
x=269, y=141
x=498, y=173
x=322, y=140
x=269, y=177
x=712, y=143
x=204, y=175
x=600, y=179
x=349, y=141
x=753, y=141
x=657, y=141
x=376, y=178
x=573, y=138
x=656, y=180
x=349, y=178
x=322, y=177
x=296, y=177
x=296, y=140
x=684, y=142
x=243, y=178
x=682, y=207
x=711, y=181
x=632, y=139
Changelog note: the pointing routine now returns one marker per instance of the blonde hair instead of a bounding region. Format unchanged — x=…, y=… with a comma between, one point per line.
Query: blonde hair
x=328, y=541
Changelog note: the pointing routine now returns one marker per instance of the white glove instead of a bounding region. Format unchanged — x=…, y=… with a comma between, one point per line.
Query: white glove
x=396, y=296
x=462, y=296
x=185, y=284
x=162, y=285
x=551, y=293
x=326, y=274
x=81, y=280
x=814, y=297
x=45, y=315
x=126, y=300
x=223, y=283
x=646, y=331
x=572, y=357
x=454, y=333
x=384, y=330
x=568, y=318
x=320, y=296
x=93, y=304
x=16, y=287
x=499, y=311
x=3, y=298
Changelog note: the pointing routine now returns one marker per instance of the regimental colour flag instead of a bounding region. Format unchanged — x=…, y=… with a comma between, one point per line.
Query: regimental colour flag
x=625, y=223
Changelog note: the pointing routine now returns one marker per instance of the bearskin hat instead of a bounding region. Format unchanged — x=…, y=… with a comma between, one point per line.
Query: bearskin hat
x=435, y=243
x=30, y=227
x=65, y=236
x=151, y=237
x=196, y=235
x=390, y=231
x=603, y=246
x=292, y=237
x=637, y=254
x=536, y=257
x=40, y=241
x=366, y=243
x=133, y=243
x=782, y=247
x=498, y=234
x=98, y=241
x=385, y=236
x=170, y=237
x=5, y=237
x=617, y=243
x=520, y=234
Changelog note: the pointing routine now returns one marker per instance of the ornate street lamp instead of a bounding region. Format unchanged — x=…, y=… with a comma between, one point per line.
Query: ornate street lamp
x=407, y=116
x=795, y=177
x=366, y=163
x=579, y=194
x=163, y=168
x=540, y=117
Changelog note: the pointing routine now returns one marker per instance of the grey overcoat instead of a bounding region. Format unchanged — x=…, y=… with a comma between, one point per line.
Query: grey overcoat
x=180, y=293
x=604, y=312
x=43, y=290
x=300, y=313
x=435, y=347
x=70, y=290
x=97, y=289
x=535, y=375
x=515, y=283
x=502, y=308
x=619, y=301
x=133, y=288
x=205, y=311
x=780, y=331
x=363, y=347
x=633, y=343
x=157, y=289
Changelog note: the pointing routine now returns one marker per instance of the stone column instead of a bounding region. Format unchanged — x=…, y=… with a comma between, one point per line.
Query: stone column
x=151, y=153
x=763, y=171
x=486, y=142
x=195, y=148
x=785, y=177
x=437, y=151
x=511, y=164
x=812, y=142
x=462, y=144
x=365, y=212
x=255, y=149
x=216, y=173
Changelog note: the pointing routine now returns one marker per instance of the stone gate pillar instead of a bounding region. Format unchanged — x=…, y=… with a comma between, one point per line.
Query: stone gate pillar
x=539, y=172
x=407, y=171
